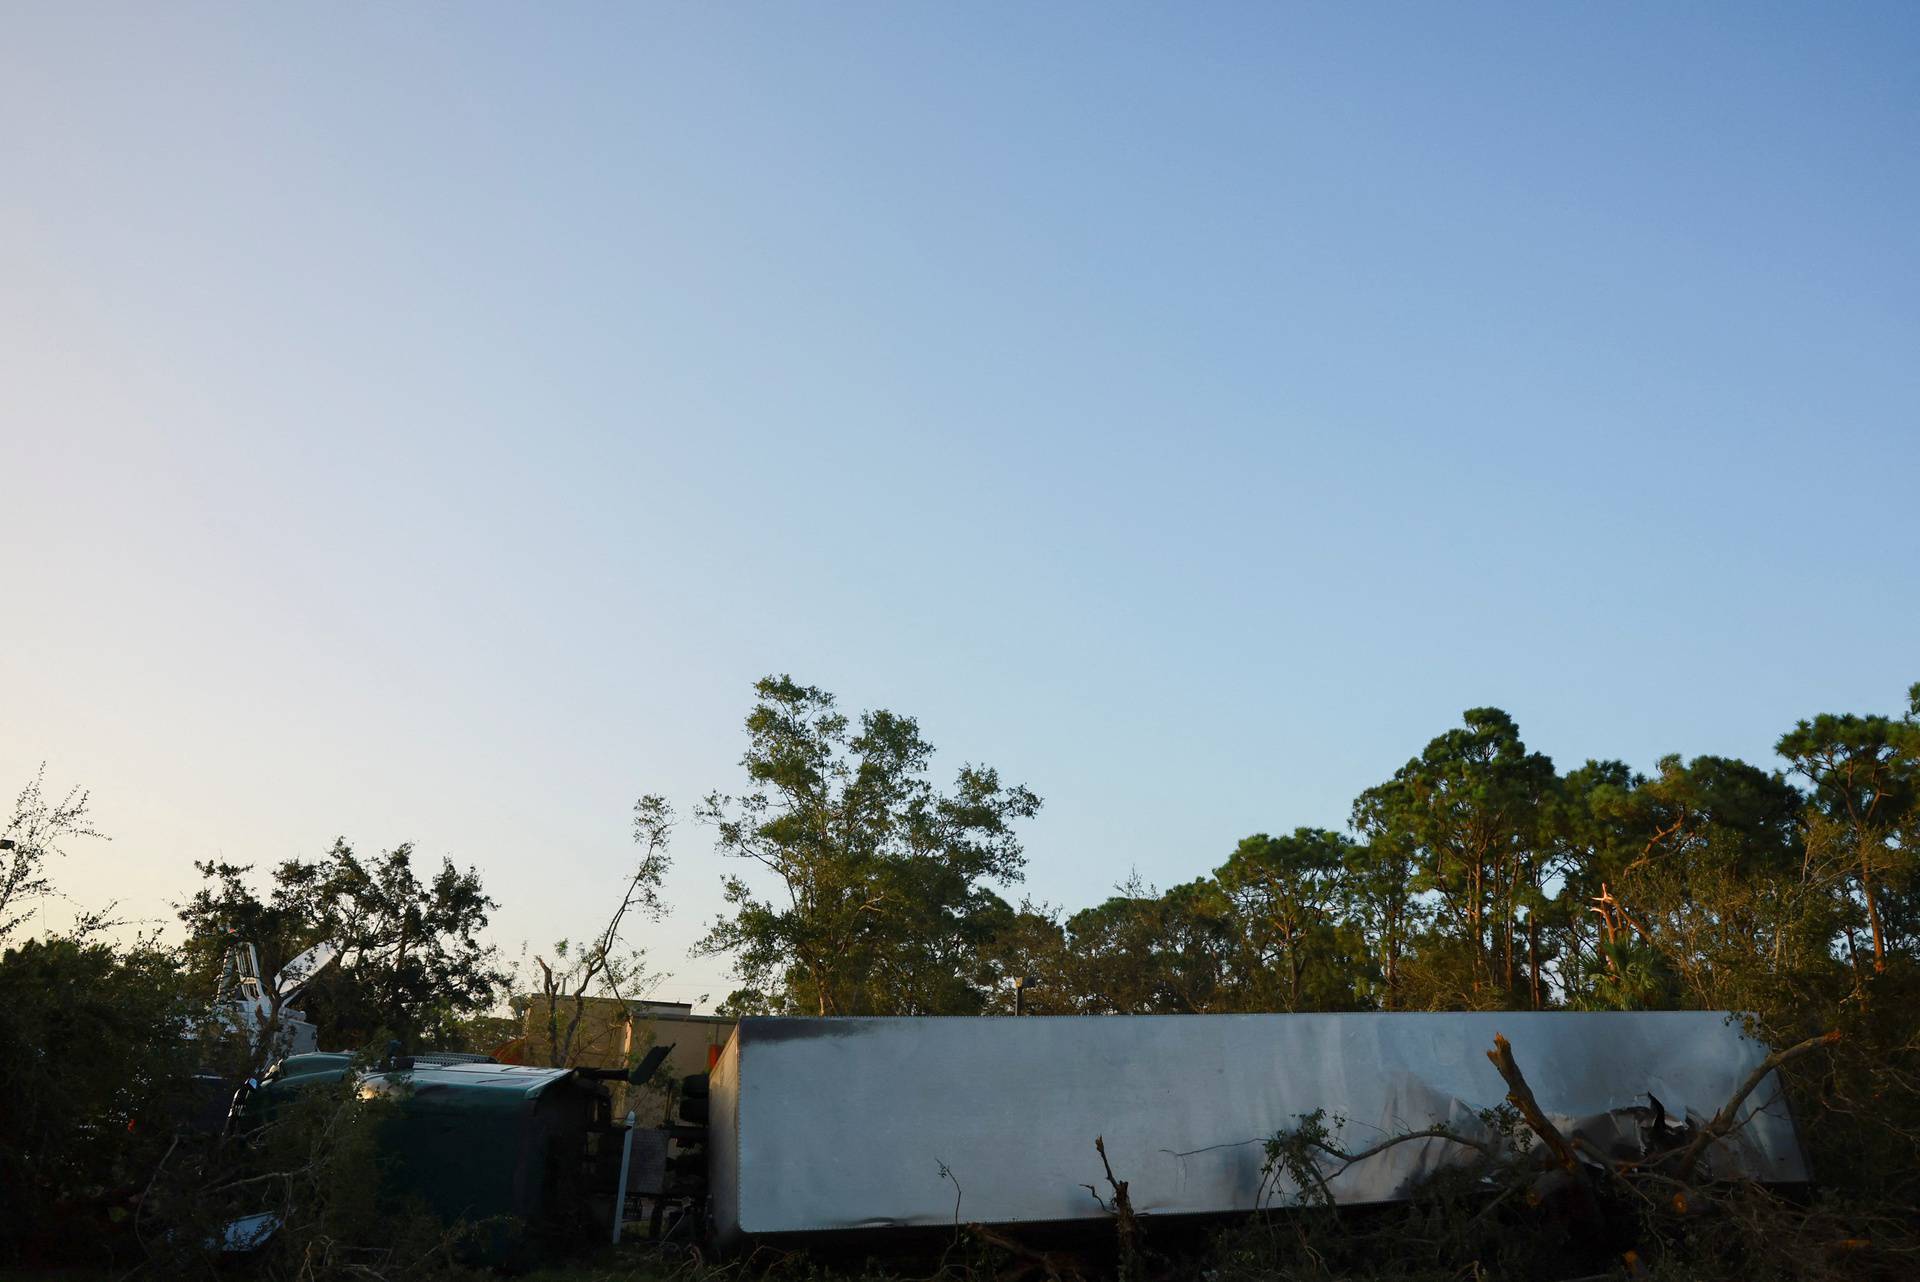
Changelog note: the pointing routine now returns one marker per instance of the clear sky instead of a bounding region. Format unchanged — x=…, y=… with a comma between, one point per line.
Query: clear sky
x=425, y=422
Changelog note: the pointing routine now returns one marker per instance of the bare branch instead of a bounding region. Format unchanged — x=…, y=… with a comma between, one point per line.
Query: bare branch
x=1725, y=1120
x=1431, y=1133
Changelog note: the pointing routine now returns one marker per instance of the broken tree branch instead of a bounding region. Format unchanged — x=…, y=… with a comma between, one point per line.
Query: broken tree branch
x=1521, y=1096
x=1431, y=1133
x=1724, y=1121
x=1123, y=1216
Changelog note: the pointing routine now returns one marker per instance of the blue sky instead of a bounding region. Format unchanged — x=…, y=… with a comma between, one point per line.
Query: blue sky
x=426, y=423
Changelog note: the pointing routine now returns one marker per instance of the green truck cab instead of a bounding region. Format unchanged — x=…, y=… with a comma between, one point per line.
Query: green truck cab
x=516, y=1150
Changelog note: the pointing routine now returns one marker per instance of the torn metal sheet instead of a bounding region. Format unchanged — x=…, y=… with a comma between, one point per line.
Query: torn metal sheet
x=829, y=1125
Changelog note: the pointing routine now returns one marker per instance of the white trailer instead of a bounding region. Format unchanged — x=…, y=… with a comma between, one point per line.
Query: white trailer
x=832, y=1125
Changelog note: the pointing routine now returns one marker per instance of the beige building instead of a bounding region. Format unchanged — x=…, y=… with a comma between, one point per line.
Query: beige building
x=612, y=1033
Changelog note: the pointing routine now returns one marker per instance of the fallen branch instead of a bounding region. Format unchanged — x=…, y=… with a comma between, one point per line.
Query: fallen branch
x=1124, y=1223
x=1431, y=1133
x=1294, y=1154
x=1058, y=1265
x=1521, y=1097
x=1348, y=1160
x=1725, y=1120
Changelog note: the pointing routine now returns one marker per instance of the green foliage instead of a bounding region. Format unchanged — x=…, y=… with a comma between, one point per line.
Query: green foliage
x=1142, y=952
x=883, y=900
x=1671, y=865
x=1864, y=775
x=95, y=1075
x=413, y=960
x=1469, y=817
x=1288, y=895
x=321, y=1163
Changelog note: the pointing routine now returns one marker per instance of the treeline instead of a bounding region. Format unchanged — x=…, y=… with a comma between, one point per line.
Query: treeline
x=1479, y=876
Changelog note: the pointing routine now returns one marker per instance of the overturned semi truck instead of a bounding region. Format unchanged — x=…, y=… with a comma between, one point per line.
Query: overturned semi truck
x=812, y=1130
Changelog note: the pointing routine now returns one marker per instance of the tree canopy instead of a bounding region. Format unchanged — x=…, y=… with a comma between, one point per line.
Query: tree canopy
x=414, y=959
x=882, y=885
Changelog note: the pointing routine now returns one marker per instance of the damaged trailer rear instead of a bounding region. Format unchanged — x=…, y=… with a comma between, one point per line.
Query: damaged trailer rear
x=832, y=1125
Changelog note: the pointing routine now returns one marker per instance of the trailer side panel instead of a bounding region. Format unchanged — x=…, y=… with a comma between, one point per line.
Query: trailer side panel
x=832, y=1125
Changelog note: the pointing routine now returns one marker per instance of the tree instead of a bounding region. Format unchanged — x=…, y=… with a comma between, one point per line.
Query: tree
x=606, y=963
x=1117, y=960
x=1145, y=952
x=35, y=833
x=1028, y=944
x=883, y=883
x=1287, y=894
x=1468, y=815
x=1864, y=772
x=412, y=958
x=1682, y=874
x=1382, y=907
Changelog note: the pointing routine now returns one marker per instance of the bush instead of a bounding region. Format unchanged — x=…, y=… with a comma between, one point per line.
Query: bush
x=95, y=1078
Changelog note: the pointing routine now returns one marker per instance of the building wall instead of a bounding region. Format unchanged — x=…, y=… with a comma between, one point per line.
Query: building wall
x=615, y=1034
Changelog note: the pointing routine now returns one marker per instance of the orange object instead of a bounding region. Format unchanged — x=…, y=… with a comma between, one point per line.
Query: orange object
x=513, y=1051
x=713, y=1057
